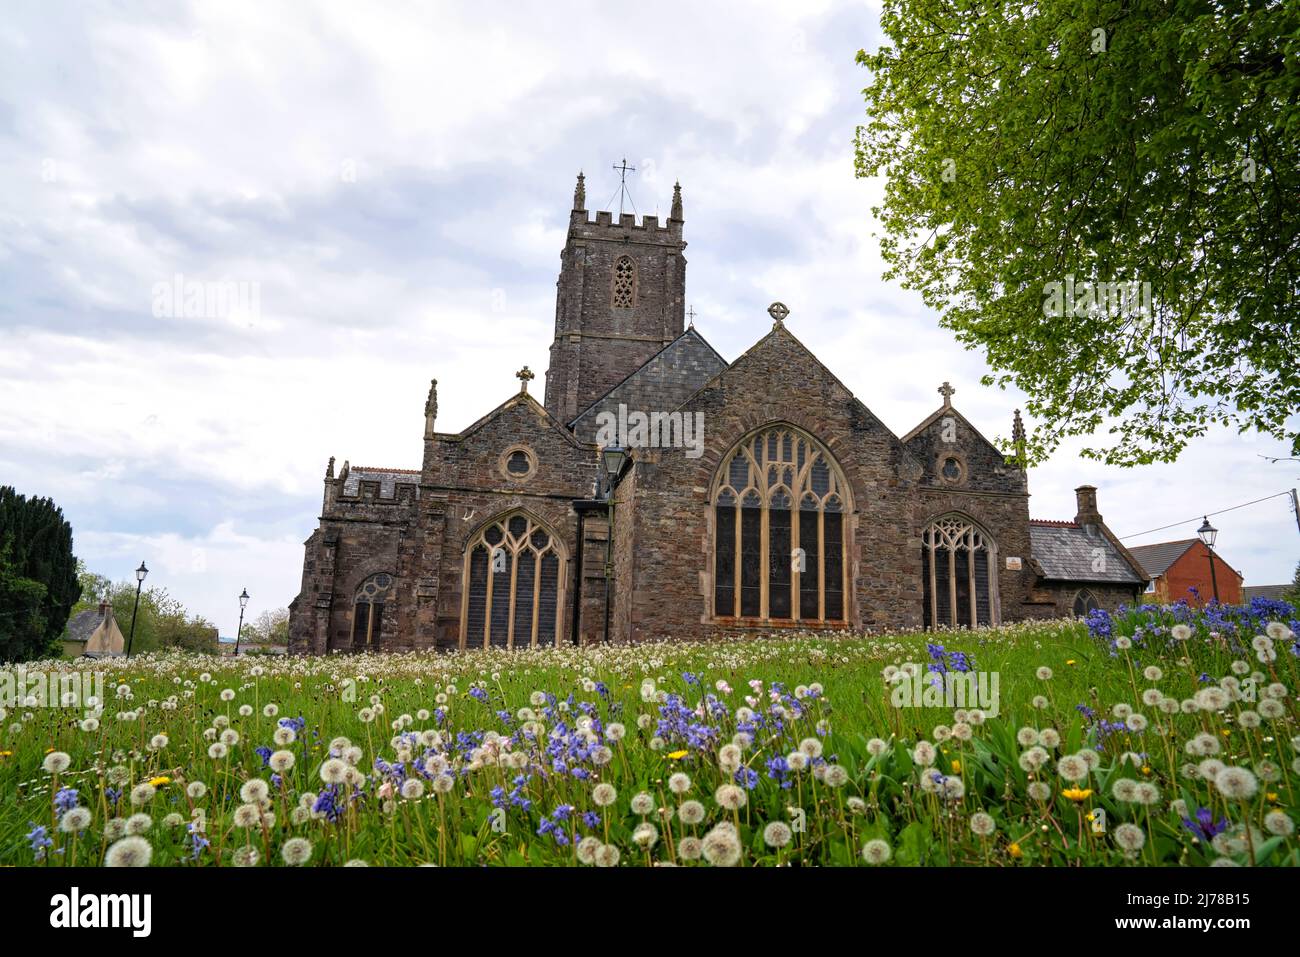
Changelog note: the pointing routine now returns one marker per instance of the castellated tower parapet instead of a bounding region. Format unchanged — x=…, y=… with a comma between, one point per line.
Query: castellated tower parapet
x=620, y=298
x=369, y=494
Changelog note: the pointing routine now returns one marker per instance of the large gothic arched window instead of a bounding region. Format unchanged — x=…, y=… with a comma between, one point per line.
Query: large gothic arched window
x=368, y=610
x=780, y=531
x=959, y=580
x=513, y=585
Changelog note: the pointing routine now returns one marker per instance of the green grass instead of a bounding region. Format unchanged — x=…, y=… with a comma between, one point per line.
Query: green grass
x=864, y=785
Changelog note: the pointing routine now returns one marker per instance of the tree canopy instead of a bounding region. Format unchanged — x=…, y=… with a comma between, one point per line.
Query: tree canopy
x=1104, y=197
x=38, y=575
x=162, y=622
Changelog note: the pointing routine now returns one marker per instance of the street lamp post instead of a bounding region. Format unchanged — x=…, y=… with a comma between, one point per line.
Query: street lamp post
x=614, y=458
x=1208, y=534
x=243, y=603
x=140, y=574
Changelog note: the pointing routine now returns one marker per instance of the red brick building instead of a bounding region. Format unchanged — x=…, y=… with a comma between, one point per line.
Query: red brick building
x=1178, y=566
x=762, y=495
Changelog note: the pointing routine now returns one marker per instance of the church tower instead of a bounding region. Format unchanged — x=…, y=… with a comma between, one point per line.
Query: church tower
x=619, y=300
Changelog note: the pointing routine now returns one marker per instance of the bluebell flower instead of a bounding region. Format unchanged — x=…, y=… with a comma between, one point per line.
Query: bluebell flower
x=39, y=839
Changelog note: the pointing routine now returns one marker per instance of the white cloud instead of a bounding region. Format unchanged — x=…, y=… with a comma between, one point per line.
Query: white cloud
x=397, y=183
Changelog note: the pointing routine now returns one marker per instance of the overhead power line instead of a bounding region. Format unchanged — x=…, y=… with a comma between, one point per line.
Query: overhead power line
x=1289, y=493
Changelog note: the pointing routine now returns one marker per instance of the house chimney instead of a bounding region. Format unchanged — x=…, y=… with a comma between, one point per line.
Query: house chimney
x=1086, y=497
x=104, y=606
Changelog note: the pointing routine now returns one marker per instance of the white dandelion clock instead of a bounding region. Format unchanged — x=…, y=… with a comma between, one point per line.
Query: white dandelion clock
x=721, y=847
x=296, y=851
x=1236, y=784
x=691, y=812
x=607, y=856
x=1073, y=768
x=56, y=762
x=645, y=835
x=777, y=834
x=1275, y=822
x=254, y=791
x=876, y=851
x=133, y=851
x=730, y=797
x=75, y=820
x=1130, y=838
x=642, y=803
x=281, y=762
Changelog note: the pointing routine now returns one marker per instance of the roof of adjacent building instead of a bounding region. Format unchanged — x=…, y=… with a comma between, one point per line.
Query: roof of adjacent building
x=1274, y=592
x=1066, y=551
x=1158, y=557
x=83, y=624
x=387, y=479
x=666, y=380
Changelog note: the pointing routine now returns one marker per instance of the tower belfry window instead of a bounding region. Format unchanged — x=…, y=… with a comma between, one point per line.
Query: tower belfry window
x=624, y=283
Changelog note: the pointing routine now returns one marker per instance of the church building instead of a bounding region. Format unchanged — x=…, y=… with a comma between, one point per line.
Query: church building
x=662, y=492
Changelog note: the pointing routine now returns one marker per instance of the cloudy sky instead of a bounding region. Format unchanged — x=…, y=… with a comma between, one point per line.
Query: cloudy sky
x=387, y=185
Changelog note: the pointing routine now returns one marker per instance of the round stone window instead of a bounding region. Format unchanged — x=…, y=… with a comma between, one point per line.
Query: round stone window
x=518, y=463
x=951, y=469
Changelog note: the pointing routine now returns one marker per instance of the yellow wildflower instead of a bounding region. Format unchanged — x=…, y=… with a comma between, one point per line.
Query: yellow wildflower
x=1146, y=769
x=160, y=780
x=956, y=767
x=6, y=754
x=1015, y=851
x=1077, y=794
x=1271, y=795
x=678, y=755
x=1070, y=661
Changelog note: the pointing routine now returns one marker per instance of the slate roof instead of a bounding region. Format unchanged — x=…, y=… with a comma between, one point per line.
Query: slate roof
x=1065, y=552
x=1274, y=592
x=387, y=479
x=83, y=624
x=1158, y=557
x=662, y=384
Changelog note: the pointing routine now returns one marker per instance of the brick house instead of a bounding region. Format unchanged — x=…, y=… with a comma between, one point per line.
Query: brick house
x=762, y=494
x=1175, y=567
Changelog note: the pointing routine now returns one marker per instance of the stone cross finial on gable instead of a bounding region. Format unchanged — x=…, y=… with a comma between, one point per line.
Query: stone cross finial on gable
x=778, y=312
x=946, y=391
x=691, y=312
x=524, y=375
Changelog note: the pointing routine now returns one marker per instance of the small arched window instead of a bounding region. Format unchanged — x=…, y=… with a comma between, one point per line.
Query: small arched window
x=1084, y=603
x=368, y=610
x=513, y=585
x=958, y=584
x=624, y=283
x=780, y=531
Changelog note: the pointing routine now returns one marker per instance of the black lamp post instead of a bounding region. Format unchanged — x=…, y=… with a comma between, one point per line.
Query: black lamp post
x=614, y=459
x=1208, y=534
x=243, y=603
x=140, y=574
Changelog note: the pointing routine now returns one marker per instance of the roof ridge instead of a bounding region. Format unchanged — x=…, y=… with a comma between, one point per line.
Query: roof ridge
x=381, y=468
x=1055, y=522
x=690, y=331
